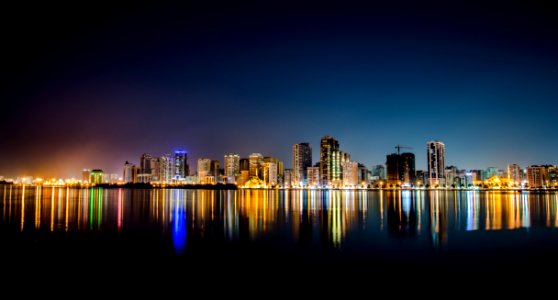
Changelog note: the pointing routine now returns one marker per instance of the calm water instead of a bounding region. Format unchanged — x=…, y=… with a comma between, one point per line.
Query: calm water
x=280, y=228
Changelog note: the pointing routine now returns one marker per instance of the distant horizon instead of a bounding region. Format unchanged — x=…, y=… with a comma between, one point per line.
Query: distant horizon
x=287, y=162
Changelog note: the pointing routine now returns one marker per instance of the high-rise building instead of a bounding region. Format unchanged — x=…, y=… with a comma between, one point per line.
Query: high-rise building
x=256, y=160
x=329, y=160
x=313, y=176
x=392, y=167
x=537, y=176
x=232, y=165
x=85, y=175
x=288, y=173
x=166, y=166
x=270, y=173
x=350, y=173
x=214, y=170
x=362, y=174
x=515, y=174
x=96, y=176
x=302, y=159
x=401, y=168
x=181, y=169
x=128, y=175
x=204, y=167
x=408, y=168
x=435, y=158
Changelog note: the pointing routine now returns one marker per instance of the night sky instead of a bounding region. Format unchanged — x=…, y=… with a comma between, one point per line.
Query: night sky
x=92, y=86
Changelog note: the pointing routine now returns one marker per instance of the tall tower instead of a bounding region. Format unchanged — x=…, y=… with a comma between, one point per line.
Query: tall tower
x=181, y=169
x=232, y=165
x=204, y=167
x=127, y=178
x=329, y=148
x=302, y=159
x=255, y=168
x=435, y=158
x=407, y=165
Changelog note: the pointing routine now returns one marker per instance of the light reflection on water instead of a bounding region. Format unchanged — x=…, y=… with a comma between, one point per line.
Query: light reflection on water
x=326, y=219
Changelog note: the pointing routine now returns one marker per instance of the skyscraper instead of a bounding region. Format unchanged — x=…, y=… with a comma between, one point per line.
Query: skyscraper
x=128, y=175
x=329, y=160
x=435, y=158
x=408, y=168
x=214, y=170
x=166, y=165
x=302, y=159
x=313, y=176
x=256, y=160
x=181, y=169
x=401, y=168
x=204, y=167
x=232, y=165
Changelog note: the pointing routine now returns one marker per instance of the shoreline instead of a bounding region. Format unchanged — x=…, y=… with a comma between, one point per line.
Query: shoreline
x=234, y=187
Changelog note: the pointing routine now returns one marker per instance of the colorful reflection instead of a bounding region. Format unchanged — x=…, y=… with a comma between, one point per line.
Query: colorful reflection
x=328, y=218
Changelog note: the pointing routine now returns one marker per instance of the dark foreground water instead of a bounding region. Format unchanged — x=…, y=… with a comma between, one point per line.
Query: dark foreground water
x=302, y=233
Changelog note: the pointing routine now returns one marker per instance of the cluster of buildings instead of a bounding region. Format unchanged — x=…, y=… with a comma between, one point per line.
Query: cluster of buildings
x=334, y=169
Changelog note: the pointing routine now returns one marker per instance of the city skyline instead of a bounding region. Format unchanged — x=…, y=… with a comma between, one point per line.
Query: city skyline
x=102, y=85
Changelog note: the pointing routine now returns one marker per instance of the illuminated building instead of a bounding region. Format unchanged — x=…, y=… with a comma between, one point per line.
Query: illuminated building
x=147, y=168
x=244, y=176
x=537, y=176
x=96, y=176
x=127, y=176
x=204, y=167
x=329, y=160
x=350, y=173
x=280, y=170
x=256, y=160
x=232, y=165
x=165, y=172
x=85, y=175
x=302, y=159
x=181, y=169
x=515, y=173
x=270, y=173
x=313, y=176
x=288, y=173
x=435, y=159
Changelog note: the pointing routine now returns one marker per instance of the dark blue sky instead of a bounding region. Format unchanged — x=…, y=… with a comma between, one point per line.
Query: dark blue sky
x=96, y=85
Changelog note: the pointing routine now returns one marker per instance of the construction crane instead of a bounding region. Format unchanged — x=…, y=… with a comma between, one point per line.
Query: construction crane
x=398, y=147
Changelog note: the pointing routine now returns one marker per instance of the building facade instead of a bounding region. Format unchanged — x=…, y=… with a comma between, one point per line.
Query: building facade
x=302, y=160
x=435, y=158
x=329, y=160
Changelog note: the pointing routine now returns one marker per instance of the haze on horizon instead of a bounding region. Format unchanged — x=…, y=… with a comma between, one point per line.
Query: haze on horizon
x=103, y=84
